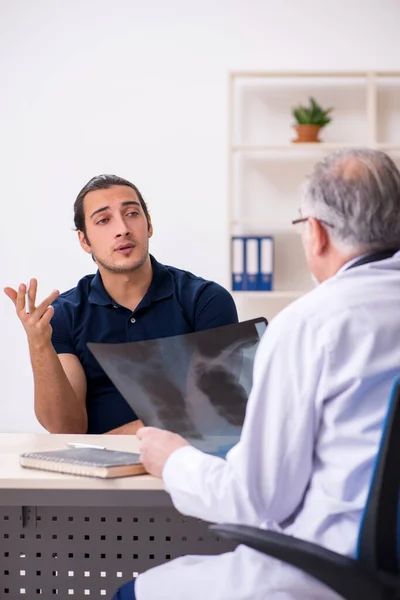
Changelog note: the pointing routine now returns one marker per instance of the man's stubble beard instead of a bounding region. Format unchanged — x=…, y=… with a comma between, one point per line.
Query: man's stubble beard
x=118, y=270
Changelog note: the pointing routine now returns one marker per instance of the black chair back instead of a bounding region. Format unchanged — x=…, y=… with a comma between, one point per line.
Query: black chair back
x=379, y=534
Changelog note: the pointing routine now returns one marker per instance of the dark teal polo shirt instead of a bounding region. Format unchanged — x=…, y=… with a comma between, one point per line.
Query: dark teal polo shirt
x=176, y=302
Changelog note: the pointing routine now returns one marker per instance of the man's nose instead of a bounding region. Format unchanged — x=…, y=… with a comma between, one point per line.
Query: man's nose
x=121, y=229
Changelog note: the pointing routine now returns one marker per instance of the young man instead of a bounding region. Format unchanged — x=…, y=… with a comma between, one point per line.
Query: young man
x=322, y=377
x=132, y=297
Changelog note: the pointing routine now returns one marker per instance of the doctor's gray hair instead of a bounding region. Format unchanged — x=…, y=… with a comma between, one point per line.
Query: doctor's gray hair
x=357, y=191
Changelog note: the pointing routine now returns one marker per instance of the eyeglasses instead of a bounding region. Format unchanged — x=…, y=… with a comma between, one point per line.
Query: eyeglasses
x=304, y=219
x=299, y=220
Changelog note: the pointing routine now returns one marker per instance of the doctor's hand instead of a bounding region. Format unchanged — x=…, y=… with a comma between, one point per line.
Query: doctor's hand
x=156, y=446
x=35, y=319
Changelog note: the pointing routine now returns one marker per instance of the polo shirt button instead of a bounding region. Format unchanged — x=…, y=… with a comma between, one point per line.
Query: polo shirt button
x=133, y=320
x=115, y=305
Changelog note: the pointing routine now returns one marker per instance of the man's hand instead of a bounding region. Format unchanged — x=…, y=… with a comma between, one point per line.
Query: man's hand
x=156, y=446
x=35, y=319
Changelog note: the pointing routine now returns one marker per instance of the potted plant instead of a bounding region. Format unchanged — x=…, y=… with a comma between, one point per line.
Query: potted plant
x=309, y=120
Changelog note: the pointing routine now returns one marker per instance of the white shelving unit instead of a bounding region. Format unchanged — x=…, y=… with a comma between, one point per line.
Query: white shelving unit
x=266, y=168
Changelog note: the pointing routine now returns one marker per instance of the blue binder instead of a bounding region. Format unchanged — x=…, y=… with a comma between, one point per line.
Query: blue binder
x=252, y=263
x=252, y=266
x=266, y=263
x=238, y=259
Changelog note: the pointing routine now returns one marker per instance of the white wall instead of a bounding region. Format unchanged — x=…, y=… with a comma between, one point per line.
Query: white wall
x=139, y=88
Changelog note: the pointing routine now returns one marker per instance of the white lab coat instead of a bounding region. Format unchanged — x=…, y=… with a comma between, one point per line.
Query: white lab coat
x=322, y=377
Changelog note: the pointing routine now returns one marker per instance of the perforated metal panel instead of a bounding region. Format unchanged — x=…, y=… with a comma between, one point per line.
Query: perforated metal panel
x=79, y=551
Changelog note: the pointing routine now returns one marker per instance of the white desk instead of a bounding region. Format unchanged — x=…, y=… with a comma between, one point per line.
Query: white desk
x=69, y=536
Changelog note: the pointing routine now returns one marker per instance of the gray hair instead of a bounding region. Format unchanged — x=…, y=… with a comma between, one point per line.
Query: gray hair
x=356, y=191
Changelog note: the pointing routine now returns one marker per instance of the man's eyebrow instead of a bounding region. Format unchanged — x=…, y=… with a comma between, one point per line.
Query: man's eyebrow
x=130, y=203
x=103, y=208
x=99, y=210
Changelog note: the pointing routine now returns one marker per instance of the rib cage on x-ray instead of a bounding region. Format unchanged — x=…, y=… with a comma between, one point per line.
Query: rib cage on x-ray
x=195, y=384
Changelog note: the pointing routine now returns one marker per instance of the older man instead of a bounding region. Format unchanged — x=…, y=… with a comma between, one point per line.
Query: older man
x=314, y=418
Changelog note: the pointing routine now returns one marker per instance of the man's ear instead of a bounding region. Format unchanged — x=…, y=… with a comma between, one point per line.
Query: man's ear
x=318, y=237
x=84, y=242
x=149, y=226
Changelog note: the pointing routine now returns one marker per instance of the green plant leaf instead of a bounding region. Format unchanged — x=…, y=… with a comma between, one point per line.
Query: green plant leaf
x=312, y=115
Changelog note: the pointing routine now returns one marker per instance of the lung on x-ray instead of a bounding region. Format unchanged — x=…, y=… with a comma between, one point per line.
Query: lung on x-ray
x=196, y=384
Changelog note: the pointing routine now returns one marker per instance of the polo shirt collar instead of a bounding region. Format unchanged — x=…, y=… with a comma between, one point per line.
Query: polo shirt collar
x=98, y=294
x=161, y=287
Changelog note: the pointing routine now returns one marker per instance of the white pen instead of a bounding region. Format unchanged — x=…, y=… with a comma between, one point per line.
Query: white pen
x=80, y=445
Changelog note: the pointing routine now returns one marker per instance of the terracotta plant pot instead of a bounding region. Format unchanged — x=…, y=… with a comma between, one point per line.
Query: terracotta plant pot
x=307, y=133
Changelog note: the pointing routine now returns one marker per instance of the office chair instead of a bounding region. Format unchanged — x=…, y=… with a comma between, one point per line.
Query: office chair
x=374, y=574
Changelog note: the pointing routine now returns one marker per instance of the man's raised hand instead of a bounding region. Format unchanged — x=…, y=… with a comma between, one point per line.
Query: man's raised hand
x=35, y=319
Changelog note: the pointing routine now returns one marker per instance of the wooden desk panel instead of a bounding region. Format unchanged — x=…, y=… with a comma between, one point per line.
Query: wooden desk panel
x=66, y=536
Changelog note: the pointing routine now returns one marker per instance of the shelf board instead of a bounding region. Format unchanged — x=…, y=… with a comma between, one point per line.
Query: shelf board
x=274, y=295
x=388, y=147
x=257, y=230
x=316, y=74
x=293, y=147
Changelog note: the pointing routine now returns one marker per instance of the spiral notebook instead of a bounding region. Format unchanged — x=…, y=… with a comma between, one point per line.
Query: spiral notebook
x=91, y=462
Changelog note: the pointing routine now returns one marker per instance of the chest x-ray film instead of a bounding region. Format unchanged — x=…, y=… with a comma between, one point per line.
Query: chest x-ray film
x=196, y=384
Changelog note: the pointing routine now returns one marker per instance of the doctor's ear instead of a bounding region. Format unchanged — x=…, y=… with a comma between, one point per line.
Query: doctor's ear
x=317, y=236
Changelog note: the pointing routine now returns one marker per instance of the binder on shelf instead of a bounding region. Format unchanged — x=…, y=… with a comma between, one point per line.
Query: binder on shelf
x=252, y=263
x=238, y=262
x=266, y=263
